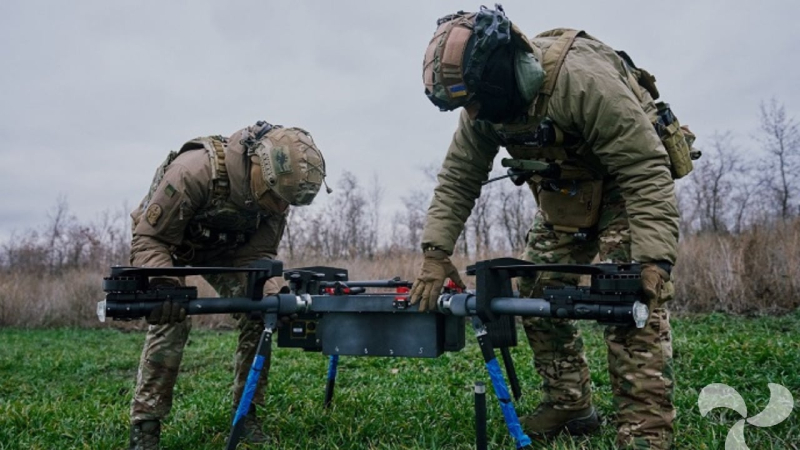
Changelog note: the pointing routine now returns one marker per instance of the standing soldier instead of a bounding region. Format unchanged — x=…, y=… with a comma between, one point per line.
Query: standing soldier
x=215, y=202
x=572, y=102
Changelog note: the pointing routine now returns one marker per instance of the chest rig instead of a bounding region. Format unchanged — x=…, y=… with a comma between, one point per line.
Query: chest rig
x=569, y=194
x=542, y=140
x=220, y=223
x=536, y=137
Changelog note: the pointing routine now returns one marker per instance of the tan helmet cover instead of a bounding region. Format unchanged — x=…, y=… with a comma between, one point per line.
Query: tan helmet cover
x=442, y=67
x=291, y=164
x=446, y=58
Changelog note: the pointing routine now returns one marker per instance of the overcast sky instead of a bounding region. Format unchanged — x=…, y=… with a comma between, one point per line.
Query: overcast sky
x=93, y=94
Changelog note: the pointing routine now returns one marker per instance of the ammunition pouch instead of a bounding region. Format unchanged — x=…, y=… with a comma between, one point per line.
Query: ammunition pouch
x=676, y=140
x=571, y=206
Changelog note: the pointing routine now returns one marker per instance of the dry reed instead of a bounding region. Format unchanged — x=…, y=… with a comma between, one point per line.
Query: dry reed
x=756, y=272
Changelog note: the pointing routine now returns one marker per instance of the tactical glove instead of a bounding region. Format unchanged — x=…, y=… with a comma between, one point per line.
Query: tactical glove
x=435, y=269
x=169, y=312
x=653, y=279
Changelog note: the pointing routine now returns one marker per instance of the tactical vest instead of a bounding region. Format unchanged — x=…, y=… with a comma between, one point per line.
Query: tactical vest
x=535, y=137
x=570, y=201
x=219, y=224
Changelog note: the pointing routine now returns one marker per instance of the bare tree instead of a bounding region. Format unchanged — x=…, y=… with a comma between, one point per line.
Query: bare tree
x=414, y=212
x=713, y=184
x=515, y=214
x=715, y=196
x=780, y=137
x=295, y=240
x=482, y=219
x=341, y=223
x=742, y=198
x=65, y=243
x=373, y=213
x=55, y=234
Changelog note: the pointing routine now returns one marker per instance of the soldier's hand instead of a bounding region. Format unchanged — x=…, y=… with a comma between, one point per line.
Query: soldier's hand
x=653, y=279
x=428, y=286
x=168, y=312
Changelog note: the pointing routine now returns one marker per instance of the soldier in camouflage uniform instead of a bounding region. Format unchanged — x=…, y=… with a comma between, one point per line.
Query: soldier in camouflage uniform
x=216, y=202
x=566, y=99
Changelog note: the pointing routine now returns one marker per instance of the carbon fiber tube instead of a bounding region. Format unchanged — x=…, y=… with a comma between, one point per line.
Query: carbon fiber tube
x=635, y=313
x=368, y=283
x=136, y=310
x=480, y=416
x=521, y=306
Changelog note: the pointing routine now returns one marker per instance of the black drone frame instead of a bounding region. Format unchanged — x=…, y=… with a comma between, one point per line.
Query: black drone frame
x=335, y=316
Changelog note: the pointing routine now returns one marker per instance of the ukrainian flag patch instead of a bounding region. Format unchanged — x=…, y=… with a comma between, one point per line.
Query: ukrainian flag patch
x=457, y=90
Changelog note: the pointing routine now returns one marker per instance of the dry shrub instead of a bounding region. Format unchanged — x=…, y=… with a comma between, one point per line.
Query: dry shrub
x=757, y=271
x=34, y=300
x=754, y=272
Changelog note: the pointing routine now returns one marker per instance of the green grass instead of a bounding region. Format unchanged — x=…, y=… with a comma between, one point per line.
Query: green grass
x=71, y=389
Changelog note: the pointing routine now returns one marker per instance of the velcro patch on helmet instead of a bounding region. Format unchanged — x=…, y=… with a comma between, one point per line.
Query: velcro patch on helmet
x=281, y=160
x=457, y=90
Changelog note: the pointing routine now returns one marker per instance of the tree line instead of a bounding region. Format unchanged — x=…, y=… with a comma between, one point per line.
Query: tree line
x=738, y=184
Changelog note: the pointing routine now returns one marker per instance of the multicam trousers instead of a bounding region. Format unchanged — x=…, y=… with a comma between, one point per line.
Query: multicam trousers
x=639, y=360
x=163, y=351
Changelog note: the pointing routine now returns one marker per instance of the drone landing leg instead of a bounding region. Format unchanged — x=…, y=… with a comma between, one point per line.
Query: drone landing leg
x=262, y=354
x=513, y=380
x=499, y=384
x=333, y=363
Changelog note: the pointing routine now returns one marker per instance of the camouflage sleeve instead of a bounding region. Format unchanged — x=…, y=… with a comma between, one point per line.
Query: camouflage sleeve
x=593, y=98
x=159, y=225
x=466, y=166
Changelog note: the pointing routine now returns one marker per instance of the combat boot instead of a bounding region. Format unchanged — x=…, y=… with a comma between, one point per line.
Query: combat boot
x=253, y=432
x=548, y=421
x=145, y=435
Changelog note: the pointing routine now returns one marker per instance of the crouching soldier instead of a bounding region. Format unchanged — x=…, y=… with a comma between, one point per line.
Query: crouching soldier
x=215, y=202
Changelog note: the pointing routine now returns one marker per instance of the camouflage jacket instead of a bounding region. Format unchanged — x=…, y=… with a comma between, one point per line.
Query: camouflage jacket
x=184, y=218
x=595, y=100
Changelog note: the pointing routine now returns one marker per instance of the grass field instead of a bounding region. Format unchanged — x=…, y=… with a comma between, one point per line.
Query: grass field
x=71, y=389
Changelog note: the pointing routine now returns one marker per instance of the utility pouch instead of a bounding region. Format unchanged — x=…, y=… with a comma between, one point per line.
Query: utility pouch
x=571, y=206
x=675, y=140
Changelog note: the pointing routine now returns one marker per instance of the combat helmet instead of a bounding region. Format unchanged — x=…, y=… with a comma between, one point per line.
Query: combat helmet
x=458, y=53
x=289, y=163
